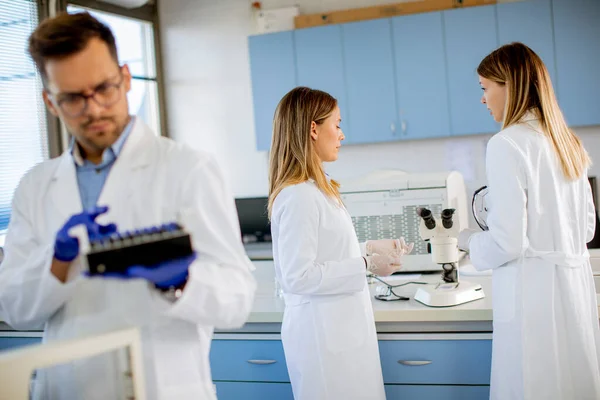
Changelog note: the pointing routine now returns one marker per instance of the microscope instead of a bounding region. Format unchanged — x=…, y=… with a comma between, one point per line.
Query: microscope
x=443, y=245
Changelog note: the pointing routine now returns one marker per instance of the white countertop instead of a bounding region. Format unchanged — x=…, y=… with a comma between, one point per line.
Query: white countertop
x=394, y=316
x=268, y=308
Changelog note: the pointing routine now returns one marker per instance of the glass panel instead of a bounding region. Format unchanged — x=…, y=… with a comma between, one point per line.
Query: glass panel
x=135, y=46
x=135, y=41
x=143, y=102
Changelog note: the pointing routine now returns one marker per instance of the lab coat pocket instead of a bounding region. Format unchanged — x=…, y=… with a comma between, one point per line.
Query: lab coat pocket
x=504, y=283
x=342, y=321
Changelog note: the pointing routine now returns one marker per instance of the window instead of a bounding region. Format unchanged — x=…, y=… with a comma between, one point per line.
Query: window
x=23, y=125
x=135, y=46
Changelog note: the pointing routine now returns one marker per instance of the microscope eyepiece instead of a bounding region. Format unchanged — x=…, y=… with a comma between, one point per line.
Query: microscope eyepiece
x=427, y=217
x=447, y=217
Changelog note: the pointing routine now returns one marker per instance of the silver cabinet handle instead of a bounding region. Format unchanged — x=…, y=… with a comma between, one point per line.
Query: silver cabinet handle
x=414, y=363
x=393, y=127
x=403, y=126
x=262, y=362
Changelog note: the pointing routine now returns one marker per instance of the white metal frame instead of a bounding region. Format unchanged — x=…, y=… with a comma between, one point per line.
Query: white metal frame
x=17, y=366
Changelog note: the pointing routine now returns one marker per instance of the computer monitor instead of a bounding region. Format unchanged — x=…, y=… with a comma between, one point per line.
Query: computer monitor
x=253, y=218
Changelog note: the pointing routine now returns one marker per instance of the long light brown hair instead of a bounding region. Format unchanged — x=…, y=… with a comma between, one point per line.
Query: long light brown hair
x=529, y=89
x=293, y=157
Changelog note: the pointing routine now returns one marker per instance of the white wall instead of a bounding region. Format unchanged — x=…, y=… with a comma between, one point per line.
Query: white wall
x=209, y=100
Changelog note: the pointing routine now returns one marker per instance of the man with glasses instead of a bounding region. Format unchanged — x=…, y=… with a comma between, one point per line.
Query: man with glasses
x=118, y=176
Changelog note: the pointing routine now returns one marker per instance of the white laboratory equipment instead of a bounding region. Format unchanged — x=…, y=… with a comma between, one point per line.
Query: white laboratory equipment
x=442, y=236
x=384, y=204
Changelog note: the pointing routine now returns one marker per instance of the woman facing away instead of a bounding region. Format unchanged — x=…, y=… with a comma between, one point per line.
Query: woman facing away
x=328, y=330
x=546, y=340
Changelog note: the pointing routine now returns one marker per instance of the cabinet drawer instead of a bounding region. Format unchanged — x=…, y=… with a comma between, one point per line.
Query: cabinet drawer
x=8, y=343
x=436, y=392
x=444, y=362
x=248, y=360
x=254, y=391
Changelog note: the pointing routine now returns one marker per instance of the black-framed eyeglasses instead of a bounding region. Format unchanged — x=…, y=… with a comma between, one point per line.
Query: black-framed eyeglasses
x=75, y=104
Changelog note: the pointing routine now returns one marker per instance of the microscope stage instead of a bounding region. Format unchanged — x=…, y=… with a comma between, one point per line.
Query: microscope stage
x=449, y=294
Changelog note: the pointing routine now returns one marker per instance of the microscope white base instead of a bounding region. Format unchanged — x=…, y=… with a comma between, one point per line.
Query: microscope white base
x=449, y=294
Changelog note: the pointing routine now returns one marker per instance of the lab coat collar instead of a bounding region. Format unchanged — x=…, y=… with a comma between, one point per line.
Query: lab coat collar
x=115, y=148
x=134, y=150
x=136, y=153
x=529, y=116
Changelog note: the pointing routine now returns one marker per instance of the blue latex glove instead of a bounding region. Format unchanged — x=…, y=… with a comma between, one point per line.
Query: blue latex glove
x=169, y=274
x=66, y=247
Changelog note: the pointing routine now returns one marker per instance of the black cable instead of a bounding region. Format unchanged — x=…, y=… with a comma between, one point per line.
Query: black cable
x=396, y=286
x=392, y=287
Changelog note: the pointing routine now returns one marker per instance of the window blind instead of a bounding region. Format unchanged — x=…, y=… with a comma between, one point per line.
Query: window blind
x=23, y=128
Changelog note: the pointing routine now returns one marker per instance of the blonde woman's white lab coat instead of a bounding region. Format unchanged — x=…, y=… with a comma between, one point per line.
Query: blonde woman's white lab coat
x=153, y=181
x=328, y=329
x=546, y=340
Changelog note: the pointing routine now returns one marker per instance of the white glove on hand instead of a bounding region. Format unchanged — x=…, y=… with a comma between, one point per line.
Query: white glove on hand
x=464, y=238
x=391, y=247
x=383, y=265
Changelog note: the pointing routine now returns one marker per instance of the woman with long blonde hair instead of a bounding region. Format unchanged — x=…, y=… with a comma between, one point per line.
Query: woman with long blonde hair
x=546, y=340
x=328, y=329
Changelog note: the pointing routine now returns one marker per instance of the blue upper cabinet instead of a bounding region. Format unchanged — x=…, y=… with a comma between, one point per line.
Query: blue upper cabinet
x=529, y=22
x=369, y=65
x=577, y=46
x=470, y=35
x=273, y=74
x=422, y=88
x=320, y=65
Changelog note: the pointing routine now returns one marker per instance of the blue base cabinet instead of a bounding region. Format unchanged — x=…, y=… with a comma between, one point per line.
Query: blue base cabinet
x=14, y=342
x=254, y=391
x=436, y=392
x=248, y=361
x=283, y=391
x=412, y=369
x=441, y=362
x=453, y=369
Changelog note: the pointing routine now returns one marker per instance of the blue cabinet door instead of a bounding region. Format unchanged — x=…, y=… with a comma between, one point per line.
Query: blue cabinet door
x=248, y=360
x=529, y=22
x=369, y=65
x=470, y=35
x=434, y=392
x=577, y=45
x=273, y=74
x=253, y=391
x=422, y=88
x=320, y=65
x=443, y=362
